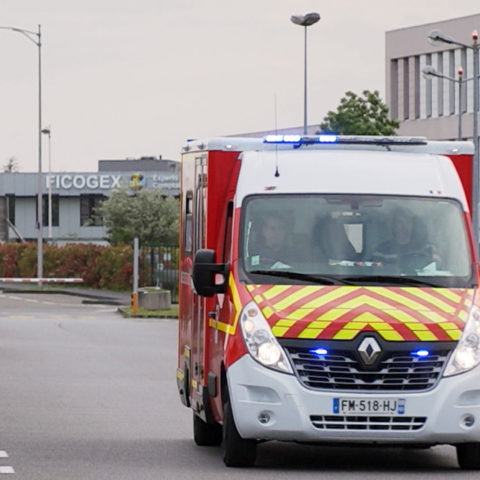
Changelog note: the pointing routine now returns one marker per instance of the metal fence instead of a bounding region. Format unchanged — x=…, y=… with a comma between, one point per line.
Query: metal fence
x=160, y=264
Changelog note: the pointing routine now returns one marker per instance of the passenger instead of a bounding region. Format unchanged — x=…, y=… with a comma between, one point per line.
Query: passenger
x=272, y=249
x=408, y=244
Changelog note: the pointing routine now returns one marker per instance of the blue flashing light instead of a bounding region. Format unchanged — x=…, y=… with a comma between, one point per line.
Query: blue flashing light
x=421, y=353
x=292, y=138
x=319, y=351
x=327, y=139
x=273, y=139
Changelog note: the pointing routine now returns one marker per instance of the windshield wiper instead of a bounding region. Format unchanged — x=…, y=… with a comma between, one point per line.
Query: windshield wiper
x=389, y=280
x=308, y=277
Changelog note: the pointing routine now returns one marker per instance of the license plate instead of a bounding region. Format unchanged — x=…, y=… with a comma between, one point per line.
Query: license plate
x=375, y=406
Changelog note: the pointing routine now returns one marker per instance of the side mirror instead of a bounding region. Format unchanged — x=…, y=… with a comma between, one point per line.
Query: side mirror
x=205, y=272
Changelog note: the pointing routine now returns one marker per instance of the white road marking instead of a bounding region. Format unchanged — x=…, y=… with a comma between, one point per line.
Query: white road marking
x=6, y=470
x=3, y=454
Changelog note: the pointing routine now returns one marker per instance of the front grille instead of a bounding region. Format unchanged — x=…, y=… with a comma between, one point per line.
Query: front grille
x=343, y=370
x=339, y=422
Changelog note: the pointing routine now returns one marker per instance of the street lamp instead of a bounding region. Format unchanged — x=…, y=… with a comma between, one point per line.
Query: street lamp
x=305, y=21
x=429, y=72
x=36, y=38
x=436, y=37
x=48, y=131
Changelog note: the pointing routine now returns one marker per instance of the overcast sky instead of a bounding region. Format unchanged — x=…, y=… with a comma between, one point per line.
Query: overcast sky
x=132, y=78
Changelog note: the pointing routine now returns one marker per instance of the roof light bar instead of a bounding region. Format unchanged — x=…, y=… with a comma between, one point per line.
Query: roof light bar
x=344, y=139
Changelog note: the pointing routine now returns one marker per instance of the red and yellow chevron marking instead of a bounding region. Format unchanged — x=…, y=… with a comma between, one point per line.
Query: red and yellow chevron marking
x=342, y=312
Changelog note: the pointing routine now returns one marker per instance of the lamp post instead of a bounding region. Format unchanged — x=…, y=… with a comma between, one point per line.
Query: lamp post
x=429, y=72
x=36, y=38
x=436, y=37
x=48, y=131
x=305, y=21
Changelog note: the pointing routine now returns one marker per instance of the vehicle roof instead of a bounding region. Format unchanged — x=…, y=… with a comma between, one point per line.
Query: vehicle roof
x=397, y=143
x=348, y=171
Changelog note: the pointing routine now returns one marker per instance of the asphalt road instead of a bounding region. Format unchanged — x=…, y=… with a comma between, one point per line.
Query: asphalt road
x=87, y=394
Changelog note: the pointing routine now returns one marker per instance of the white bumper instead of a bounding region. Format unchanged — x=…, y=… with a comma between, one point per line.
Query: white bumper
x=274, y=406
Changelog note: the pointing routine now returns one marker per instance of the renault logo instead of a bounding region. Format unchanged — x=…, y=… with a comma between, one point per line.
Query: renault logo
x=369, y=350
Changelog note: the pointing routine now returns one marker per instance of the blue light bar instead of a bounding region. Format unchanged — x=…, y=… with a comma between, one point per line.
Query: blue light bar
x=343, y=139
x=421, y=353
x=319, y=351
x=300, y=139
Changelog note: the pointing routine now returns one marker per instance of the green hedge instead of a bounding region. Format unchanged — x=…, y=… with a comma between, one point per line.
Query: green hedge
x=99, y=266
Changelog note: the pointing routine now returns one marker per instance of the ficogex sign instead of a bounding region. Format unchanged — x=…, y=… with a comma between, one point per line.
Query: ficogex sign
x=84, y=182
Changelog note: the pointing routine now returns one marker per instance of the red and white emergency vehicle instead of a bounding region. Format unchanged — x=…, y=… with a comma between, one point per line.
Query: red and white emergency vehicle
x=328, y=293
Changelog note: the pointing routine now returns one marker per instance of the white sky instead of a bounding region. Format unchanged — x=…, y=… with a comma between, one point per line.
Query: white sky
x=132, y=78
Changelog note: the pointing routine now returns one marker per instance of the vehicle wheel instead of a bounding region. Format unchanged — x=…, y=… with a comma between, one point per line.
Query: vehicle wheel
x=238, y=452
x=206, y=434
x=468, y=456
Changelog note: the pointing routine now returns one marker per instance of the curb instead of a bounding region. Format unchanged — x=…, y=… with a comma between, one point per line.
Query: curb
x=91, y=297
x=126, y=314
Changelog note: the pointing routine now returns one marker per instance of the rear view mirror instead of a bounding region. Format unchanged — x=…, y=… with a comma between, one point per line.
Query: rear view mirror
x=206, y=273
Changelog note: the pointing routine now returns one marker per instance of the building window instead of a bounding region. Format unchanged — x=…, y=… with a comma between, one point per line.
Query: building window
x=428, y=90
x=416, y=94
x=55, y=210
x=88, y=215
x=406, y=88
x=11, y=208
x=394, y=88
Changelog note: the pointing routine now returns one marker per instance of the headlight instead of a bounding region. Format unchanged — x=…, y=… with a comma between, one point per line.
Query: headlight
x=467, y=353
x=261, y=343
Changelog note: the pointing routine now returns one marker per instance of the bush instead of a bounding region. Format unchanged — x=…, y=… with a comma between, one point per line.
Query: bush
x=99, y=266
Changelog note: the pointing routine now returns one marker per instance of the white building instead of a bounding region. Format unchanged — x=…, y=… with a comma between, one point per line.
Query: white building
x=431, y=107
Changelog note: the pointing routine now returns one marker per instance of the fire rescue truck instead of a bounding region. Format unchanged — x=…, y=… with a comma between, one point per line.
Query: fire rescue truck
x=328, y=293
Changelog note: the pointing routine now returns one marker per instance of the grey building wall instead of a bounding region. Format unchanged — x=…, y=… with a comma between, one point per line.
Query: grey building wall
x=430, y=107
x=144, y=164
x=69, y=187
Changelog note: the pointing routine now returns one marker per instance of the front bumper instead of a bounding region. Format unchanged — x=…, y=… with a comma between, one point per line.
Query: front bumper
x=270, y=405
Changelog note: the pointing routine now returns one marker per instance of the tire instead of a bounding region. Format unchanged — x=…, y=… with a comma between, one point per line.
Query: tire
x=468, y=456
x=237, y=452
x=206, y=434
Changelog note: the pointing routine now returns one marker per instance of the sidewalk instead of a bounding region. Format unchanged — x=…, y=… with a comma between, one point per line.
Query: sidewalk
x=91, y=295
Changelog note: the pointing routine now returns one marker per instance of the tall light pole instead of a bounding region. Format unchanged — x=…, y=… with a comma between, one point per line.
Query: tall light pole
x=436, y=36
x=36, y=38
x=305, y=21
x=429, y=72
x=48, y=131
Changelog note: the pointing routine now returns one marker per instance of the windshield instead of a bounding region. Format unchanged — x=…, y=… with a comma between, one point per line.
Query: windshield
x=354, y=239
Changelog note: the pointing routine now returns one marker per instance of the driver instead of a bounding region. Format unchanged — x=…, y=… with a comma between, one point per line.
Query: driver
x=272, y=249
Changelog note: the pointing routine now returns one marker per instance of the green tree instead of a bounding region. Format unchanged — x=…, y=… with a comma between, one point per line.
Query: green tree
x=360, y=115
x=11, y=166
x=148, y=215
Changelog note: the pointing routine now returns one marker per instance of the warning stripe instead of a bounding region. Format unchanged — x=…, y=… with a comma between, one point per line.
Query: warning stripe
x=397, y=313
x=237, y=303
